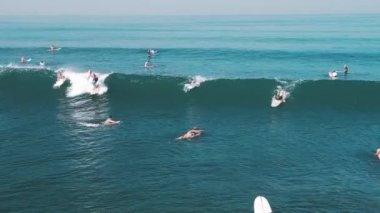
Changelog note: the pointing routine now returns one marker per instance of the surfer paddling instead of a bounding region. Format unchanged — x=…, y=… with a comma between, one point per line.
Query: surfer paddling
x=194, y=132
x=280, y=95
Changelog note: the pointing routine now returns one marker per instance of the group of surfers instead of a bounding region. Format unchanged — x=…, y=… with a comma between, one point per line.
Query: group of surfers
x=53, y=49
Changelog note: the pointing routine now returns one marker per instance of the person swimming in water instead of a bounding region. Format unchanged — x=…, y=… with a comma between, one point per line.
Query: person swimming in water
x=42, y=63
x=194, y=132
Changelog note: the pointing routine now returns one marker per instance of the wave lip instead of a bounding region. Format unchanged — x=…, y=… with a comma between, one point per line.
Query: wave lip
x=147, y=89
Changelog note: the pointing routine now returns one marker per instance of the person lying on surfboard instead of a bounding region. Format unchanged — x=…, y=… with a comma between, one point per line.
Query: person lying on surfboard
x=280, y=94
x=109, y=121
x=194, y=132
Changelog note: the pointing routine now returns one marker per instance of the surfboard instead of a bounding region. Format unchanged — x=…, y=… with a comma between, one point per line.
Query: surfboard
x=55, y=49
x=261, y=205
x=90, y=124
x=276, y=103
x=111, y=124
x=59, y=83
x=29, y=60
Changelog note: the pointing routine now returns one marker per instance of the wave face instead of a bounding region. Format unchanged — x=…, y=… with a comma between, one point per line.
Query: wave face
x=170, y=90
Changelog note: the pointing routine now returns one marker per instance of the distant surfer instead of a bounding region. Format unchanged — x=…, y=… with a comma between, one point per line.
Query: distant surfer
x=23, y=59
x=333, y=74
x=152, y=52
x=378, y=153
x=109, y=121
x=42, y=63
x=345, y=69
x=52, y=48
x=194, y=132
x=147, y=64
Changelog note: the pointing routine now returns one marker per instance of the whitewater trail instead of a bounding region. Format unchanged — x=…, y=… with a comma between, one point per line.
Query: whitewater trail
x=24, y=67
x=80, y=84
x=288, y=86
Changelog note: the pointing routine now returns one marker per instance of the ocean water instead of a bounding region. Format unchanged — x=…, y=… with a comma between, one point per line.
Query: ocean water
x=314, y=153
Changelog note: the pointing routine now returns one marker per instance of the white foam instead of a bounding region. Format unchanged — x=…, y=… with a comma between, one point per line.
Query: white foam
x=80, y=83
x=194, y=82
x=288, y=86
x=24, y=67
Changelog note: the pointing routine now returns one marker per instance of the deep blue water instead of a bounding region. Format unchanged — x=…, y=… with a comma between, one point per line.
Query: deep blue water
x=312, y=154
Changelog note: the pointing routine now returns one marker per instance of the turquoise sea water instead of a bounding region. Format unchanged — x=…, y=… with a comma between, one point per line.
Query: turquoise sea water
x=312, y=154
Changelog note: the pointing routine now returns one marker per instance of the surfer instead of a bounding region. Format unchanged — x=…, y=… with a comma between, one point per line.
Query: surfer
x=52, y=48
x=151, y=52
x=345, y=69
x=147, y=64
x=194, y=132
x=60, y=75
x=23, y=59
x=42, y=63
x=94, y=77
x=378, y=153
x=280, y=95
x=109, y=121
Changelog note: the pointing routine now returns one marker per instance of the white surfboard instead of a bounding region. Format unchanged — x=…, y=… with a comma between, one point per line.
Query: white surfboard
x=90, y=124
x=55, y=49
x=59, y=83
x=261, y=205
x=275, y=102
x=111, y=124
